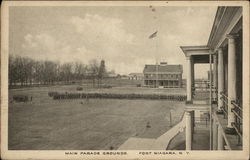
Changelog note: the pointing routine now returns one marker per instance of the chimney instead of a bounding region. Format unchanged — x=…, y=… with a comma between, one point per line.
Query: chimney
x=163, y=63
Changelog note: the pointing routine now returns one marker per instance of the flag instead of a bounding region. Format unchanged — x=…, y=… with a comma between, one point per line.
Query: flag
x=153, y=35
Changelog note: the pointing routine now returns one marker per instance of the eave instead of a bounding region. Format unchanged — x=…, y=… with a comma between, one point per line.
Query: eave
x=228, y=20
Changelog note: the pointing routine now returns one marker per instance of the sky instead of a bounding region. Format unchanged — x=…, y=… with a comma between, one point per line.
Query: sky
x=117, y=34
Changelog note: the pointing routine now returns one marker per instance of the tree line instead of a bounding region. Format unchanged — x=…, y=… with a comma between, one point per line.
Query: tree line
x=25, y=71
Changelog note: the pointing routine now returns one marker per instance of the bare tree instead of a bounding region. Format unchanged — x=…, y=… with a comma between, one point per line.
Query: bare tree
x=79, y=70
x=66, y=72
x=26, y=71
x=49, y=72
x=93, y=68
x=12, y=70
x=38, y=71
x=101, y=72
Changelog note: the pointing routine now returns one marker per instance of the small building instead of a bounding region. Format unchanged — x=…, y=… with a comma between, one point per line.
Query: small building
x=163, y=75
x=111, y=75
x=136, y=76
x=124, y=77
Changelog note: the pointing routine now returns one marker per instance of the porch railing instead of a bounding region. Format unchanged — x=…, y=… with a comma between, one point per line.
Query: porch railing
x=224, y=99
x=237, y=110
x=201, y=89
x=201, y=85
x=226, y=143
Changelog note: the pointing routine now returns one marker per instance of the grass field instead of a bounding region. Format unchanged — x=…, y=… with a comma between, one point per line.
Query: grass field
x=85, y=125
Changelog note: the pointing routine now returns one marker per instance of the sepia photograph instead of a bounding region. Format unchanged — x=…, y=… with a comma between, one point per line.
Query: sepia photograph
x=124, y=80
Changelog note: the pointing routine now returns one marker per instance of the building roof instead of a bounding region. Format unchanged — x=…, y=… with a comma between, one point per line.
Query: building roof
x=135, y=74
x=111, y=75
x=228, y=20
x=163, y=68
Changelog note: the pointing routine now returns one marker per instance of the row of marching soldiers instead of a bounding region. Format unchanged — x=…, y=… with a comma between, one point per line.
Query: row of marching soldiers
x=117, y=96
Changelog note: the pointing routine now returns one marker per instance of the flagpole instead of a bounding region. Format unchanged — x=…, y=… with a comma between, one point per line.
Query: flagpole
x=156, y=45
x=156, y=63
x=157, y=66
x=157, y=76
x=156, y=48
x=157, y=73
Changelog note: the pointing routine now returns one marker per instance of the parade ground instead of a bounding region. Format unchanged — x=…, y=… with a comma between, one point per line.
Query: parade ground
x=92, y=124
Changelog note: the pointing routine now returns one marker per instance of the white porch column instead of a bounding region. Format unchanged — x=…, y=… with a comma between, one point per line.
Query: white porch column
x=220, y=139
x=215, y=135
x=220, y=77
x=214, y=76
x=188, y=131
x=189, y=78
x=231, y=78
x=215, y=69
x=192, y=75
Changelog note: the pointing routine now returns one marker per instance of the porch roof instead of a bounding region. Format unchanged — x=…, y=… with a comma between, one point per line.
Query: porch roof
x=228, y=20
x=200, y=54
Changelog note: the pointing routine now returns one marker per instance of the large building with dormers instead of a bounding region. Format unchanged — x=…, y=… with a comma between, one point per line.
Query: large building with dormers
x=163, y=75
